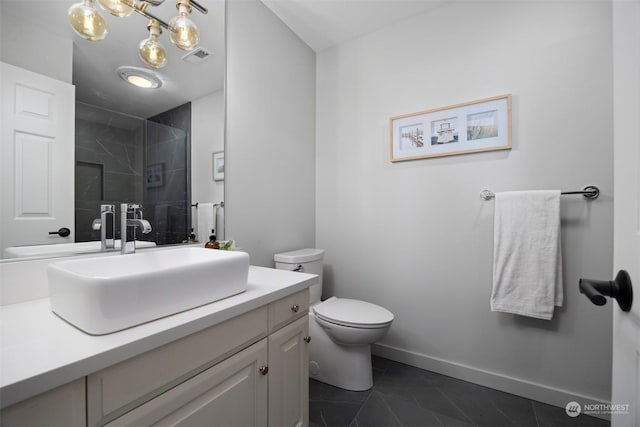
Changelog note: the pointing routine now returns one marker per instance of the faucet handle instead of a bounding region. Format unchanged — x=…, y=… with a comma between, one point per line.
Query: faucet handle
x=137, y=211
x=107, y=208
x=130, y=207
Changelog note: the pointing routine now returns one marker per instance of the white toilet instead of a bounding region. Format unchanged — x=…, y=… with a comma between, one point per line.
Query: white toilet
x=342, y=330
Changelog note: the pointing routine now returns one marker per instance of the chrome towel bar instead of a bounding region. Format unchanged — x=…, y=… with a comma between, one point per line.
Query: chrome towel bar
x=590, y=192
x=195, y=205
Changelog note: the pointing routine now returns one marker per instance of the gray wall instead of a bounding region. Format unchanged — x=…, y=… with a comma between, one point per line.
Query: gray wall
x=270, y=152
x=207, y=136
x=27, y=46
x=416, y=238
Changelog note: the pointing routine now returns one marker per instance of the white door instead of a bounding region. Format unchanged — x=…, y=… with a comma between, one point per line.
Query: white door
x=37, y=131
x=626, y=326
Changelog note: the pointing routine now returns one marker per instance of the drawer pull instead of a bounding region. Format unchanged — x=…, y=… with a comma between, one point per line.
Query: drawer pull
x=307, y=339
x=264, y=370
x=295, y=308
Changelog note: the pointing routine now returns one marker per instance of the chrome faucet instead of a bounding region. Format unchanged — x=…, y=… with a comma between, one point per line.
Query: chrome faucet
x=136, y=222
x=101, y=224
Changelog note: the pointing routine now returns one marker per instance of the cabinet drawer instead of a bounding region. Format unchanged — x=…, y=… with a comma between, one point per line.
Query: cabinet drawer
x=288, y=309
x=122, y=387
x=61, y=407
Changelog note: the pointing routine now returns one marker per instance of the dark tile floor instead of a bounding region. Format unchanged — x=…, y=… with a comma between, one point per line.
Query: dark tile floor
x=406, y=396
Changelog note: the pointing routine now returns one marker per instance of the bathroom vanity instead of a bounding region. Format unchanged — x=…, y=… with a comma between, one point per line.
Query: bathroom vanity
x=242, y=360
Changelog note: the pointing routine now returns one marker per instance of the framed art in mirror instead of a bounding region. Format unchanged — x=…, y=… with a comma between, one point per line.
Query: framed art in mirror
x=218, y=166
x=155, y=175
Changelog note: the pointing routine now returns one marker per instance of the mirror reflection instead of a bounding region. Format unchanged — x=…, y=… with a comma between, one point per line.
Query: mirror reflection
x=149, y=146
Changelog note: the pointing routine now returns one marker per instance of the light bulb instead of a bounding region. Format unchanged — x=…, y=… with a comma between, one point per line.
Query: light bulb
x=140, y=77
x=140, y=81
x=117, y=8
x=184, y=32
x=86, y=21
x=150, y=50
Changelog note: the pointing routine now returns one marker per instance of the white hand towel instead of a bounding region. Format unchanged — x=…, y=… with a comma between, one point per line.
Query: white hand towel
x=527, y=260
x=206, y=221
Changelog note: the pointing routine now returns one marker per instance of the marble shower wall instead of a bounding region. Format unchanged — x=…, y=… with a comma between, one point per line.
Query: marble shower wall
x=167, y=199
x=109, y=164
x=120, y=158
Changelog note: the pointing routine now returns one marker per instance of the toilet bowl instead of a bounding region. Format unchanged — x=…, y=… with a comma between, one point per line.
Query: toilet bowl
x=342, y=329
x=352, y=322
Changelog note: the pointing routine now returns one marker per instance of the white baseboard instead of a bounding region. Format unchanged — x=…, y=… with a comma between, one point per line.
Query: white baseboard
x=530, y=390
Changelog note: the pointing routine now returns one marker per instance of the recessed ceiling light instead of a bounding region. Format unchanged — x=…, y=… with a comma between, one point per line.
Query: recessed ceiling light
x=139, y=77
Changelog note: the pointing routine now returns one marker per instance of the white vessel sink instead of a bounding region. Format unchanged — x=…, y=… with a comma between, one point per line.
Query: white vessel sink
x=100, y=295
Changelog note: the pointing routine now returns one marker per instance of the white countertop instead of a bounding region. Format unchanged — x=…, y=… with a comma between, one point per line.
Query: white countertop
x=40, y=351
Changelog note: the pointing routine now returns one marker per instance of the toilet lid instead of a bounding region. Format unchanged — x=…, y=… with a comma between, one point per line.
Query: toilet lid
x=351, y=312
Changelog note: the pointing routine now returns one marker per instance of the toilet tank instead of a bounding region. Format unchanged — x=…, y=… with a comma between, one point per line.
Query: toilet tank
x=306, y=261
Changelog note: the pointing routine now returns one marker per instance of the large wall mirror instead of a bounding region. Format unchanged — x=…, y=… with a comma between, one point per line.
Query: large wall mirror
x=160, y=147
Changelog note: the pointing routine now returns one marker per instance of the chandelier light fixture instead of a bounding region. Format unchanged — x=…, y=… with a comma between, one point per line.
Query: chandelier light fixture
x=116, y=7
x=87, y=22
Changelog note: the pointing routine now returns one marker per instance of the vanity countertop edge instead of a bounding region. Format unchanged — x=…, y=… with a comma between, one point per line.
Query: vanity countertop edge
x=39, y=351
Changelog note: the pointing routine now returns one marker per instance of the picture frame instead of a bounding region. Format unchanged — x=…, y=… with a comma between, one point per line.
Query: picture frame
x=155, y=175
x=469, y=127
x=217, y=166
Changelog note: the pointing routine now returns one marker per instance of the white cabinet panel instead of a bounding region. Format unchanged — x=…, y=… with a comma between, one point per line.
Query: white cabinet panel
x=231, y=393
x=289, y=375
x=121, y=387
x=61, y=407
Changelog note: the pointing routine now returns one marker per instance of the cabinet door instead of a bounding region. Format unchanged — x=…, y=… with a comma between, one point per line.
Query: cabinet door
x=289, y=375
x=118, y=389
x=231, y=393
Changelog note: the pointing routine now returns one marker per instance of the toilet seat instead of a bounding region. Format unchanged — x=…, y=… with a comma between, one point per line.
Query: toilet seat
x=353, y=313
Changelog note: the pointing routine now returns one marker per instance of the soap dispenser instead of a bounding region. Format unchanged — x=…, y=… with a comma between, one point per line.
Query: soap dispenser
x=212, y=243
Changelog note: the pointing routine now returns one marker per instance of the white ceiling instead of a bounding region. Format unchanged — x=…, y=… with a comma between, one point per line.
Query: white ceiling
x=319, y=23
x=95, y=63
x=325, y=23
